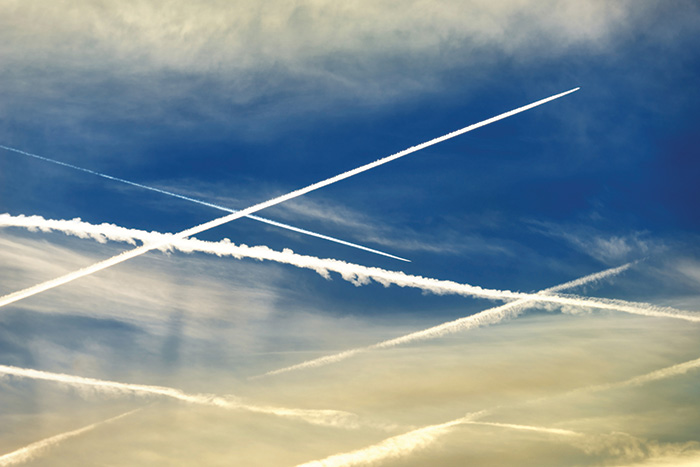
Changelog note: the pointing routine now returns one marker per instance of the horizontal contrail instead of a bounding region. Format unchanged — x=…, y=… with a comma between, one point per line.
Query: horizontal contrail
x=483, y=318
x=31, y=451
x=334, y=418
x=404, y=444
x=355, y=273
x=21, y=294
x=204, y=203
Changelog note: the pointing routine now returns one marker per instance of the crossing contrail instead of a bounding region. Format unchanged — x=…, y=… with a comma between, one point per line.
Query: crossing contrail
x=404, y=444
x=204, y=203
x=33, y=450
x=355, y=273
x=334, y=418
x=483, y=318
x=22, y=294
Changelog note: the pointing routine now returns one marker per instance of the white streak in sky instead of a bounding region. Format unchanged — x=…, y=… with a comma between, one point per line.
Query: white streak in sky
x=334, y=418
x=204, y=203
x=405, y=444
x=390, y=448
x=33, y=450
x=483, y=318
x=538, y=429
x=22, y=294
x=354, y=273
x=668, y=372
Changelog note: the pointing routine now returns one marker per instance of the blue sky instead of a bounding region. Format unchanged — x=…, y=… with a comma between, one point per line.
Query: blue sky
x=235, y=104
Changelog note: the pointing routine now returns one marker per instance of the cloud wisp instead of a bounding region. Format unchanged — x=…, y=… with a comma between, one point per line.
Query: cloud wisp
x=354, y=273
x=406, y=443
x=205, y=203
x=33, y=450
x=334, y=418
x=127, y=255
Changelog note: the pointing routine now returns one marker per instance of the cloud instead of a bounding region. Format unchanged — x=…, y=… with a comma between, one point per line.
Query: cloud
x=605, y=247
x=311, y=38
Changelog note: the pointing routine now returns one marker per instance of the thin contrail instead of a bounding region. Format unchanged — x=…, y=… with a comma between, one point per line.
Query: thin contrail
x=404, y=444
x=354, y=273
x=33, y=450
x=538, y=429
x=334, y=418
x=21, y=294
x=204, y=203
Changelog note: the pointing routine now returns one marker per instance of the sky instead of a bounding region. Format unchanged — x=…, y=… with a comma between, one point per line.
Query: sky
x=235, y=103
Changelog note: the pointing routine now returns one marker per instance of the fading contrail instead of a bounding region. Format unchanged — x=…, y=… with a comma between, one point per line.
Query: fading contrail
x=21, y=294
x=355, y=273
x=334, y=418
x=33, y=450
x=204, y=203
x=404, y=444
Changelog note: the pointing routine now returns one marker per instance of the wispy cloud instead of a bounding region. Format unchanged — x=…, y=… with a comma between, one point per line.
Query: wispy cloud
x=605, y=247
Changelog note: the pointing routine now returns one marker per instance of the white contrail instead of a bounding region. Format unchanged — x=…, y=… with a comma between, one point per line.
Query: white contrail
x=334, y=418
x=21, y=294
x=354, y=273
x=204, y=203
x=406, y=443
x=33, y=450
x=396, y=446
x=483, y=318
x=538, y=429
x=668, y=372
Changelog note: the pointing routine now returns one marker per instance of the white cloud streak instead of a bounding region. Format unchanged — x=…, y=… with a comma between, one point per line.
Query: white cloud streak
x=36, y=449
x=405, y=444
x=335, y=418
x=354, y=273
x=125, y=256
x=204, y=203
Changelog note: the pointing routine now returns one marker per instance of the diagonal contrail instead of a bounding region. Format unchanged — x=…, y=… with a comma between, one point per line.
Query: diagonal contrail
x=21, y=294
x=355, y=273
x=204, y=203
x=404, y=444
x=31, y=451
x=491, y=316
x=335, y=418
